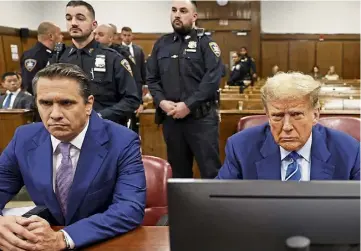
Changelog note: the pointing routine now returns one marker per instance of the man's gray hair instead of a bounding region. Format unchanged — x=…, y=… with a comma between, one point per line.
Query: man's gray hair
x=63, y=70
x=290, y=86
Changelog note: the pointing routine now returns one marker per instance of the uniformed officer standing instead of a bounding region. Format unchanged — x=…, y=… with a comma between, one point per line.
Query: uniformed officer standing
x=38, y=57
x=249, y=65
x=112, y=83
x=183, y=76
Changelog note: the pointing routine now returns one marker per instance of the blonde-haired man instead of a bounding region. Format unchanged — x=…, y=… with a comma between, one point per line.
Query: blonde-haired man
x=292, y=146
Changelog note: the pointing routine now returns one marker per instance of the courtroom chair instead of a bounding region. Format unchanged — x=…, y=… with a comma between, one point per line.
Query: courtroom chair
x=157, y=172
x=250, y=121
x=349, y=125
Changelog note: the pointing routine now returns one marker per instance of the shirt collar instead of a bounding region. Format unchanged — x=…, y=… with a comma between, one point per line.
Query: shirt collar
x=88, y=49
x=131, y=44
x=14, y=93
x=77, y=141
x=305, y=151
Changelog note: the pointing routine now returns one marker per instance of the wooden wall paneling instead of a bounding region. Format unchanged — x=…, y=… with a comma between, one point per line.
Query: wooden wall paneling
x=12, y=64
x=351, y=60
x=28, y=43
x=329, y=53
x=255, y=49
x=2, y=58
x=274, y=52
x=229, y=25
x=232, y=10
x=229, y=41
x=302, y=56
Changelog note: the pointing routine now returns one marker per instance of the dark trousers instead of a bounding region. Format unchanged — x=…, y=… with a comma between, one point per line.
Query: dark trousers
x=188, y=138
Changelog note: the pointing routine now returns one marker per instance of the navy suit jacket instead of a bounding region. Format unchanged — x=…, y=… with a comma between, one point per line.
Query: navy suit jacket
x=108, y=194
x=253, y=154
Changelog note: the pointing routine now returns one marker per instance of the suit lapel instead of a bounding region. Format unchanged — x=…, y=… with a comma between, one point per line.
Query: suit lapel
x=90, y=161
x=320, y=169
x=17, y=100
x=2, y=98
x=40, y=162
x=269, y=168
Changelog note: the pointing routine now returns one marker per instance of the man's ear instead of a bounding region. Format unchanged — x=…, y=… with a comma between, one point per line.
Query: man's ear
x=316, y=115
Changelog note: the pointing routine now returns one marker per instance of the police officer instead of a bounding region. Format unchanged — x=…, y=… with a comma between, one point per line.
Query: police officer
x=239, y=73
x=249, y=66
x=38, y=57
x=104, y=34
x=183, y=76
x=112, y=83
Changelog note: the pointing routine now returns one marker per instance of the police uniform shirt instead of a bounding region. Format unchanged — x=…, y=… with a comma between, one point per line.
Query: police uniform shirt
x=185, y=68
x=33, y=61
x=112, y=82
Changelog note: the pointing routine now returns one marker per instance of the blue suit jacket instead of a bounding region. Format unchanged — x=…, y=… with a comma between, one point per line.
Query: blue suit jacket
x=253, y=154
x=108, y=194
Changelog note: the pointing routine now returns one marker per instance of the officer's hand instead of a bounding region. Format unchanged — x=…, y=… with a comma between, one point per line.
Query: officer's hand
x=181, y=110
x=14, y=235
x=139, y=110
x=168, y=107
x=254, y=76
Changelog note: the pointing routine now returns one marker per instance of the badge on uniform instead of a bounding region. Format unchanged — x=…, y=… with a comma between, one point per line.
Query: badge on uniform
x=99, y=64
x=215, y=48
x=126, y=65
x=192, y=44
x=30, y=64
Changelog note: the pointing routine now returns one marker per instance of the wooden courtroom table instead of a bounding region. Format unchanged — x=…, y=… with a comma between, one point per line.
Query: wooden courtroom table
x=140, y=239
x=10, y=119
x=153, y=142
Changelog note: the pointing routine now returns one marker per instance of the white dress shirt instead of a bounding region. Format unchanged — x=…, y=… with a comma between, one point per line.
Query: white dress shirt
x=304, y=162
x=13, y=97
x=75, y=148
x=130, y=48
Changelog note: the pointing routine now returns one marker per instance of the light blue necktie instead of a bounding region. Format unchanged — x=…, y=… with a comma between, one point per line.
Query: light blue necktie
x=64, y=177
x=293, y=170
x=8, y=101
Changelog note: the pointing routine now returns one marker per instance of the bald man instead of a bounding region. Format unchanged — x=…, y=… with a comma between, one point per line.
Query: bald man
x=38, y=56
x=104, y=34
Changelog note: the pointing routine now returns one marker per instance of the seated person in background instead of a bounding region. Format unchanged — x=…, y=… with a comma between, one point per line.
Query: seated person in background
x=331, y=74
x=87, y=171
x=275, y=69
x=14, y=97
x=315, y=73
x=239, y=73
x=292, y=145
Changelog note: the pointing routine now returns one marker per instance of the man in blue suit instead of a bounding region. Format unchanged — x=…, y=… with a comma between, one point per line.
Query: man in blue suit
x=291, y=146
x=87, y=171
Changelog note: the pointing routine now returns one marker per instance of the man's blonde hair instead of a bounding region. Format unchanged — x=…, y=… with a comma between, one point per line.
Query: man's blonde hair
x=290, y=86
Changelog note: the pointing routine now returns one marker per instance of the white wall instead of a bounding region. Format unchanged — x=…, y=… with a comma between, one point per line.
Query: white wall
x=141, y=16
x=328, y=17
x=21, y=14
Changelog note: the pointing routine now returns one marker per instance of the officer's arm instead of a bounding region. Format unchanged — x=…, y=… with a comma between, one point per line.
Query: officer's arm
x=234, y=77
x=27, y=74
x=153, y=77
x=210, y=82
x=253, y=66
x=142, y=66
x=127, y=92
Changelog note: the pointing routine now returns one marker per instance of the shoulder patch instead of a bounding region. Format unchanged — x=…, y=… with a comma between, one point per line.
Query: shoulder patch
x=215, y=48
x=126, y=65
x=238, y=67
x=30, y=64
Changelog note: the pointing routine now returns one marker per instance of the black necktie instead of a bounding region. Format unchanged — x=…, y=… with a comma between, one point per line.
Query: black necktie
x=79, y=59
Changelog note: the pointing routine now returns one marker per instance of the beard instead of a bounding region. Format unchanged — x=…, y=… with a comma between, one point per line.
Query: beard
x=182, y=29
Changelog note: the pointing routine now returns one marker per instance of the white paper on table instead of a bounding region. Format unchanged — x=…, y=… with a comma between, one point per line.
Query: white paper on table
x=16, y=211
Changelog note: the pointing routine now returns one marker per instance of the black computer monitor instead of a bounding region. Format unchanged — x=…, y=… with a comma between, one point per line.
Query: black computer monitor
x=227, y=215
